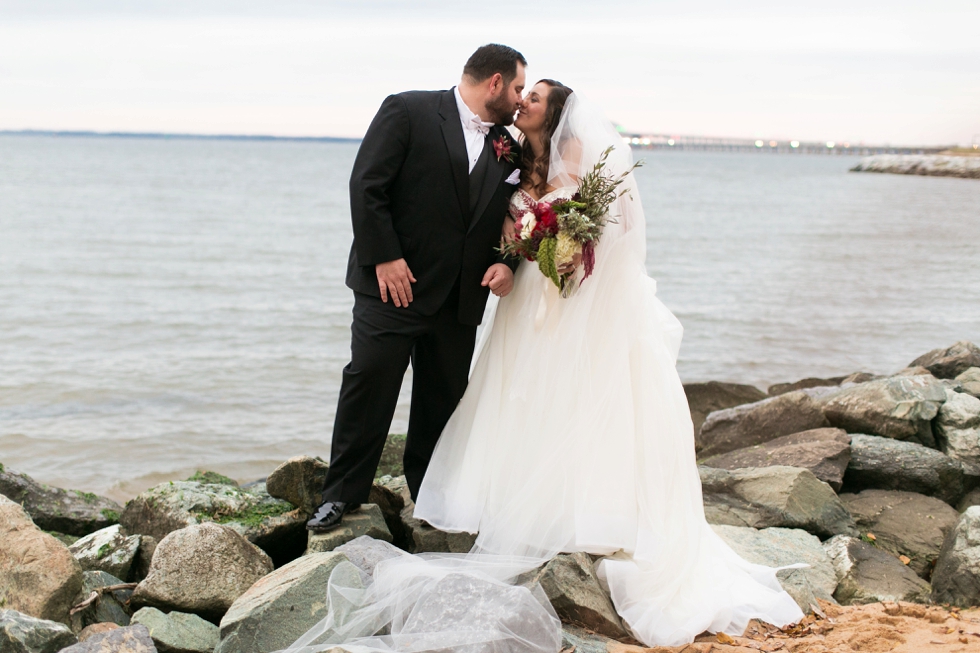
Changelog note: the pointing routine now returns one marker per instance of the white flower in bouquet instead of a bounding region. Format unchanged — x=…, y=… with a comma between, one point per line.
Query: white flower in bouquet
x=566, y=249
x=528, y=220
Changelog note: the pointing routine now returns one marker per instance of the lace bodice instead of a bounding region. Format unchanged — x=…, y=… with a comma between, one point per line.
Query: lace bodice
x=521, y=201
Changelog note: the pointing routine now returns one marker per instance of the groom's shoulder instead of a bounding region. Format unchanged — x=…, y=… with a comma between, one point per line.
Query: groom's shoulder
x=420, y=99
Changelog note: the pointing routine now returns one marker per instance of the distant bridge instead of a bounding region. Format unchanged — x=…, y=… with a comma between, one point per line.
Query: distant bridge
x=715, y=144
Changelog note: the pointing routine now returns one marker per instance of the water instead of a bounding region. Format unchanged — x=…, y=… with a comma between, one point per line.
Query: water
x=171, y=305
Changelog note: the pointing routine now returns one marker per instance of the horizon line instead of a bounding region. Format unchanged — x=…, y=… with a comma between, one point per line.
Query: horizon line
x=86, y=133
x=89, y=133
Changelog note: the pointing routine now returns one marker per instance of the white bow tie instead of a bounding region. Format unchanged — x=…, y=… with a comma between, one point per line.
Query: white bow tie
x=478, y=125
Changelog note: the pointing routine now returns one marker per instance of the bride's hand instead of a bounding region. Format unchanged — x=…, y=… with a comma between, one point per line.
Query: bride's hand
x=567, y=268
x=509, y=231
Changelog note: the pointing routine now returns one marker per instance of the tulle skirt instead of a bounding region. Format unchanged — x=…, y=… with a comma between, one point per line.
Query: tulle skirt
x=575, y=435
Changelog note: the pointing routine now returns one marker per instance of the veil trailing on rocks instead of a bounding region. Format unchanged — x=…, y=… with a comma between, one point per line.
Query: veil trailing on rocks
x=384, y=600
x=574, y=435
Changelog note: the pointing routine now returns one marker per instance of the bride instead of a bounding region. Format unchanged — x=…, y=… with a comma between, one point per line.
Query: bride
x=574, y=434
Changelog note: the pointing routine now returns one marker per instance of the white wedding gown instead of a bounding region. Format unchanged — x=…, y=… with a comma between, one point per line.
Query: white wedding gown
x=574, y=435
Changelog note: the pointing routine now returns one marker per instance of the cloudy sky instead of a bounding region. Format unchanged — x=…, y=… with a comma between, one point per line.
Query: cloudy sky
x=874, y=71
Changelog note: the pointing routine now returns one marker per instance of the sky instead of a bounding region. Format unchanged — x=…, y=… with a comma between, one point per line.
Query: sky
x=895, y=72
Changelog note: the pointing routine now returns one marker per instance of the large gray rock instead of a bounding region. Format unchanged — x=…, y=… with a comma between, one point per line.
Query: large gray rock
x=956, y=579
x=38, y=575
x=868, y=575
x=761, y=497
x=571, y=584
x=899, y=407
x=752, y=424
x=54, y=509
x=950, y=362
x=970, y=381
x=957, y=428
x=825, y=452
x=22, y=633
x=778, y=547
x=705, y=398
x=201, y=569
x=178, y=632
x=109, y=608
x=299, y=481
x=279, y=607
x=803, y=384
x=885, y=464
x=134, y=639
x=904, y=524
x=366, y=521
x=109, y=550
x=271, y=524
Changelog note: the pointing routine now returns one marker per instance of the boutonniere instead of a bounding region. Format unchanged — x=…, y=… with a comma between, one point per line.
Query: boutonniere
x=502, y=147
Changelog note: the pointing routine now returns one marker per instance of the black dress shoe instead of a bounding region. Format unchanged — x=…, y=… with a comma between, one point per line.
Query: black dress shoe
x=329, y=514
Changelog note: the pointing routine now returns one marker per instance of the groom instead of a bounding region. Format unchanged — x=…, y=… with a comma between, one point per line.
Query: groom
x=429, y=192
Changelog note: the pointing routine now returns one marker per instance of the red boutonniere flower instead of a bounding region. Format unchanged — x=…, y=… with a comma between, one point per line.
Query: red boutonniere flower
x=502, y=148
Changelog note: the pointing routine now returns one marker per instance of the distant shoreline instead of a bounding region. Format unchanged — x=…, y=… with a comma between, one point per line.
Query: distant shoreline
x=962, y=166
x=170, y=136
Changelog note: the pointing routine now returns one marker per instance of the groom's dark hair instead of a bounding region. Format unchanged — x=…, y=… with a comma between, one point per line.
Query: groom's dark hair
x=491, y=59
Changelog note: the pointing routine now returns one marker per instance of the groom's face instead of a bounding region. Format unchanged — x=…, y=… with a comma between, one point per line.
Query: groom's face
x=505, y=100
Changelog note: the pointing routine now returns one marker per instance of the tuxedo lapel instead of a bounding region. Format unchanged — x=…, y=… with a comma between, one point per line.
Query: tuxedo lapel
x=452, y=133
x=495, y=170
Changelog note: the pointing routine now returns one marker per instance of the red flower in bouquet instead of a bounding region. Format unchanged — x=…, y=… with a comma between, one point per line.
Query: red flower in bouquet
x=588, y=259
x=547, y=223
x=502, y=148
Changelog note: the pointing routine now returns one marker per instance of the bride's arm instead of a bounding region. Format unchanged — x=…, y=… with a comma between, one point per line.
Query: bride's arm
x=508, y=231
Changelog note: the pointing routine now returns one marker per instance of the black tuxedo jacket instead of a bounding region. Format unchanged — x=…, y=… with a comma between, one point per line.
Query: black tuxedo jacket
x=409, y=198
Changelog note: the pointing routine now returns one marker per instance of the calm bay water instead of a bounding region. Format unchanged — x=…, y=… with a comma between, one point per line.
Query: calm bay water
x=171, y=305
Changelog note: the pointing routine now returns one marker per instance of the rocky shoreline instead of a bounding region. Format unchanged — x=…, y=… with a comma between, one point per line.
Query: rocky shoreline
x=930, y=165
x=874, y=481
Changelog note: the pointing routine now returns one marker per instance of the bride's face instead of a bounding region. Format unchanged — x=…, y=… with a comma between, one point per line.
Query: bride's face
x=531, y=116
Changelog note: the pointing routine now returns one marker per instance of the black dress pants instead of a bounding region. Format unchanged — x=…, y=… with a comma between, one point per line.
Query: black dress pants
x=384, y=339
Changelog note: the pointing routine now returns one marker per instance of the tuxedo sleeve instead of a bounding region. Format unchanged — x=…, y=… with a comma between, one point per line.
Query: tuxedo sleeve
x=378, y=161
x=510, y=261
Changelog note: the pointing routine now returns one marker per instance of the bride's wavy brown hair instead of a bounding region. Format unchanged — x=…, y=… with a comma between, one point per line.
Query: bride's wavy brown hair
x=539, y=167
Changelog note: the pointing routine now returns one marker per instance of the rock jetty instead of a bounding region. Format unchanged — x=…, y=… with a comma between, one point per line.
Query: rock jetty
x=872, y=481
x=929, y=165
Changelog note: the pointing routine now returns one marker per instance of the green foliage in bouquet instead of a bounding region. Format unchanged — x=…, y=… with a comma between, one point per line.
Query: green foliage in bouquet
x=596, y=193
x=546, y=259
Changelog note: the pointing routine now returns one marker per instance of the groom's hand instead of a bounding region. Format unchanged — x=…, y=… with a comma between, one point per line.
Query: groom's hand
x=395, y=279
x=500, y=278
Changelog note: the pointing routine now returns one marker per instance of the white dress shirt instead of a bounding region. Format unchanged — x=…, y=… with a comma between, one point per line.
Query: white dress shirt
x=475, y=130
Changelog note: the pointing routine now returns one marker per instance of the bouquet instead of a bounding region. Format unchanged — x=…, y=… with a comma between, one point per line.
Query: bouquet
x=555, y=233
